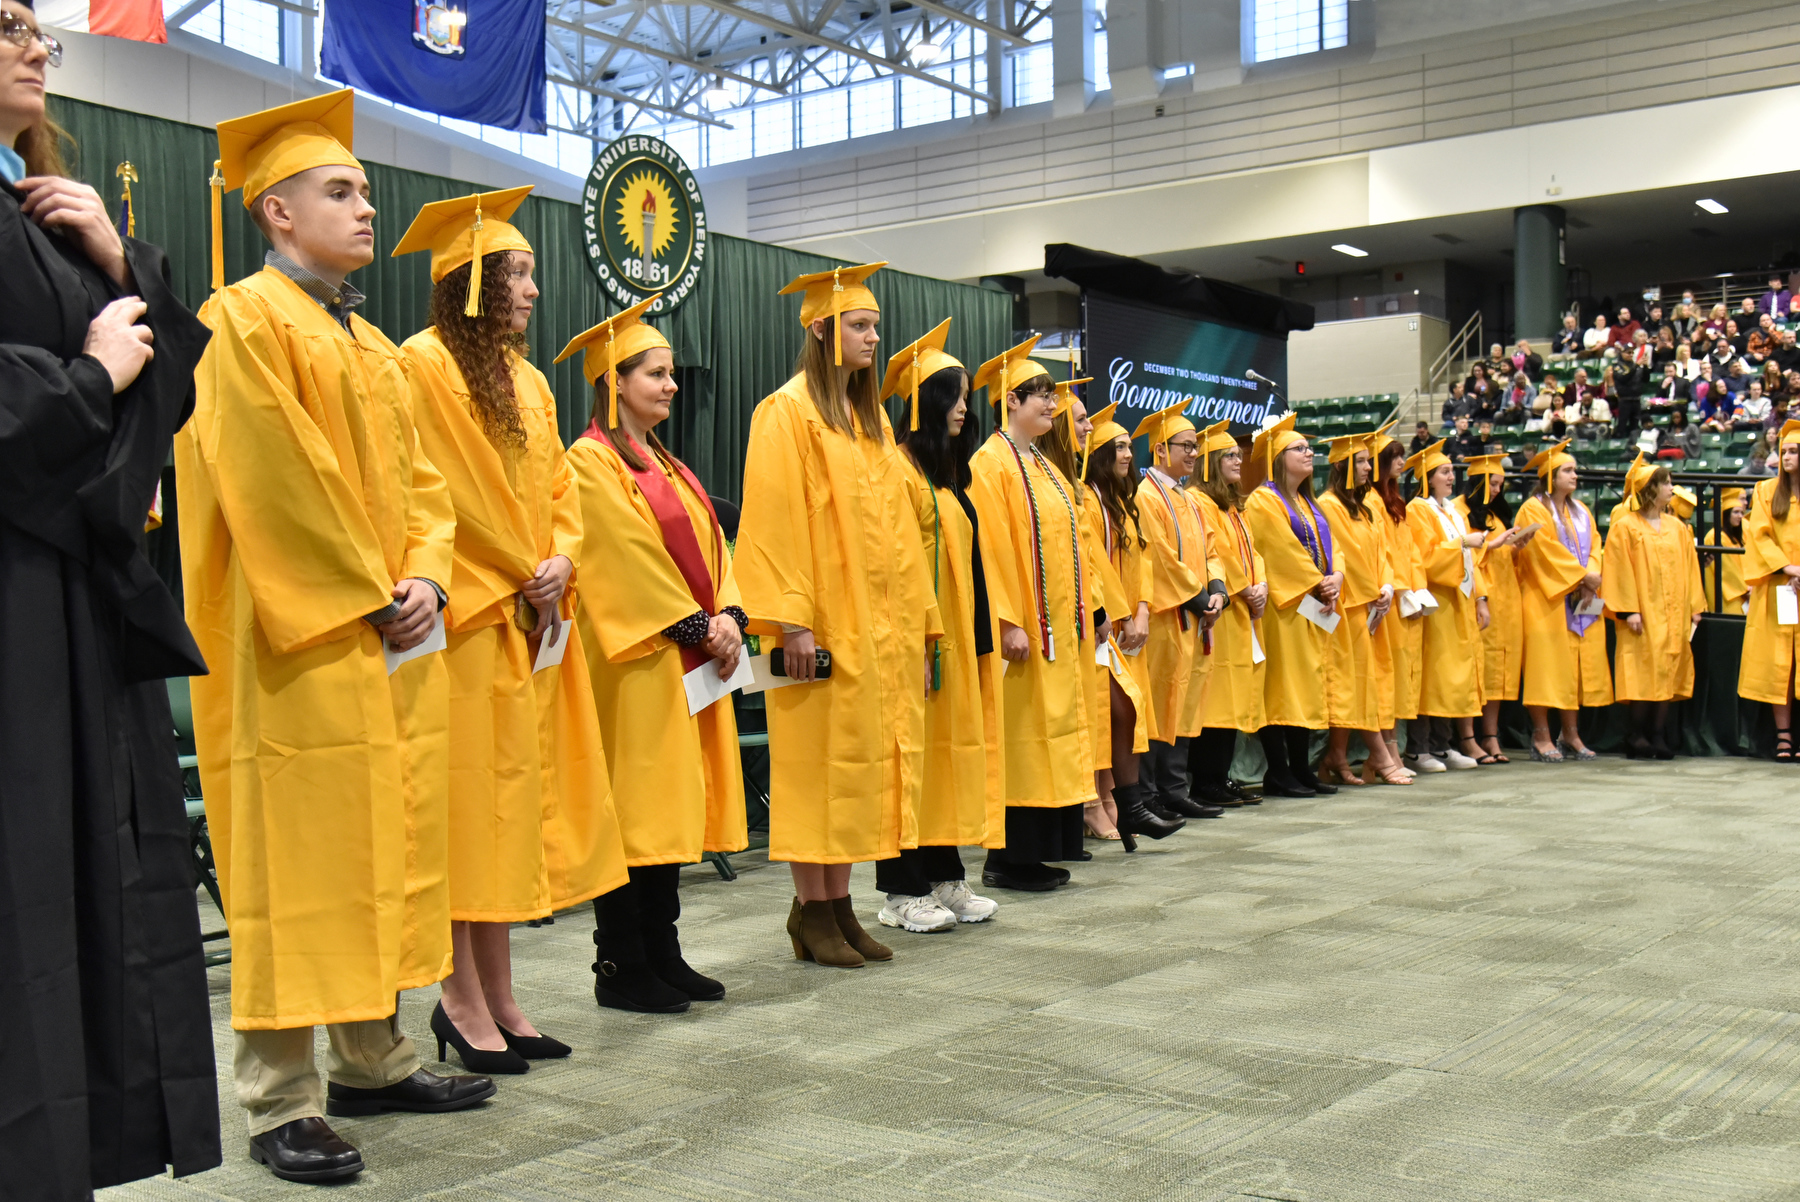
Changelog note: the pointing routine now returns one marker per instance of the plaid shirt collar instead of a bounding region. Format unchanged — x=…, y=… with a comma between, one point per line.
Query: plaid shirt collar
x=339, y=302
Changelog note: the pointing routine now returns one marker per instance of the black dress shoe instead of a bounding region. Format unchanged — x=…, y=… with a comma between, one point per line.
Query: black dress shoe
x=635, y=987
x=1309, y=781
x=676, y=973
x=1184, y=807
x=1660, y=748
x=1249, y=797
x=1082, y=854
x=306, y=1150
x=1285, y=786
x=422, y=1093
x=477, y=1060
x=1135, y=818
x=1216, y=795
x=535, y=1047
x=1030, y=878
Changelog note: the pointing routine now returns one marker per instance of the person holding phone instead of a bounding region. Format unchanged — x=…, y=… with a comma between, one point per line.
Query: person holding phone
x=663, y=607
x=829, y=559
x=1565, y=664
x=1353, y=686
x=1306, y=580
x=926, y=886
x=1651, y=582
x=531, y=828
x=1484, y=507
x=1045, y=602
x=1771, y=564
x=1451, y=687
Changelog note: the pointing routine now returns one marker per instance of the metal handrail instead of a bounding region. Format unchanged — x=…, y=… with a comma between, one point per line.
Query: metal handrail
x=1459, y=341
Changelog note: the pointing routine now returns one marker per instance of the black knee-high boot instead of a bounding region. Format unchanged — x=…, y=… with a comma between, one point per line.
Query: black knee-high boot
x=1299, y=749
x=623, y=978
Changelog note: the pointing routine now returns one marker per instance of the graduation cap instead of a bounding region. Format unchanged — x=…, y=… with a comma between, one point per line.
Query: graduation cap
x=1546, y=461
x=1006, y=371
x=462, y=230
x=609, y=344
x=1729, y=498
x=1491, y=466
x=1162, y=425
x=1636, y=477
x=1790, y=433
x=1270, y=441
x=1683, y=503
x=1345, y=446
x=833, y=293
x=915, y=363
x=1428, y=460
x=1065, y=402
x=1104, y=431
x=1380, y=441
x=1216, y=437
x=265, y=148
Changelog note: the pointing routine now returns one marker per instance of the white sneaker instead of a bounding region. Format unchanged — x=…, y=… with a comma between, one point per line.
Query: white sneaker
x=1429, y=763
x=965, y=903
x=1459, y=761
x=920, y=915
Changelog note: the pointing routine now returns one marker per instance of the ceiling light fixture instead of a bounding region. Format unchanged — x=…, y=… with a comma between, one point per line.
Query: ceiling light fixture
x=926, y=53
x=1712, y=206
x=1355, y=252
x=717, y=95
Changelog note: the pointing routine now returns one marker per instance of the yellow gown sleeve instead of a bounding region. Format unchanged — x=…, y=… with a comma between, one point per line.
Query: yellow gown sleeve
x=1287, y=566
x=1226, y=564
x=1619, y=583
x=922, y=497
x=308, y=550
x=1764, y=556
x=1439, y=555
x=988, y=493
x=1550, y=567
x=1110, y=592
x=430, y=522
x=1172, y=580
x=774, y=560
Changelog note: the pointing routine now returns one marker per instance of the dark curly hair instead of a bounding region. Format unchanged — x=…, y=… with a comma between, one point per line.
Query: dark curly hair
x=480, y=345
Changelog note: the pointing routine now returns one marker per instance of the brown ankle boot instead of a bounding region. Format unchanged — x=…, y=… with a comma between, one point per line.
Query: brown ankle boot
x=816, y=936
x=853, y=933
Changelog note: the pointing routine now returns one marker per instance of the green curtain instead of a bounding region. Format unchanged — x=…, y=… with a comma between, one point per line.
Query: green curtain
x=735, y=340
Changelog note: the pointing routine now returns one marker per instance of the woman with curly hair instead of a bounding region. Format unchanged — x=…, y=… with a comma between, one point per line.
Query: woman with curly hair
x=532, y=828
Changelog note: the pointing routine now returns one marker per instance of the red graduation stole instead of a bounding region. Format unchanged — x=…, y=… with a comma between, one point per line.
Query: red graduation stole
x=677, y=528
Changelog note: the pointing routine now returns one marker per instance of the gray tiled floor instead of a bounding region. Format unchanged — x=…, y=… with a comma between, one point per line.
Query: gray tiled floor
x=1530, y=982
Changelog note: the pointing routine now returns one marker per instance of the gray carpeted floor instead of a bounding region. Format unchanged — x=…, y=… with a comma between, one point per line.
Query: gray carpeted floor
x=1528, y=982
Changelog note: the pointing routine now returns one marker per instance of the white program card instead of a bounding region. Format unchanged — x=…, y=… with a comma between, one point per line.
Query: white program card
x=555, y=642
x=1314, y=611
x=1591, y=609
x=1256, y=651
x=1787, y=606
x=435, y=641
x=705, y=686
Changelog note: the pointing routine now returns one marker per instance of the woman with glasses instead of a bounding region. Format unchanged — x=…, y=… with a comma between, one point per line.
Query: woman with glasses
x=105, y=995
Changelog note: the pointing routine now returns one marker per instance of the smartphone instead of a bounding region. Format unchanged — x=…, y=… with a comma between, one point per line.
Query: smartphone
x=821, y=663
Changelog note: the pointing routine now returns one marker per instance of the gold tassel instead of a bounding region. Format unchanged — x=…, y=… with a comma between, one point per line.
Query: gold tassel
x=217, y=184
x=126, y=172
x=1087, y=449
x=915, y=394
x=837, y=317
x=473, y=307
x=612, y=382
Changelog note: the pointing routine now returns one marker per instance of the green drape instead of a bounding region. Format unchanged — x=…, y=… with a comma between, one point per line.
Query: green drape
x=735, y=339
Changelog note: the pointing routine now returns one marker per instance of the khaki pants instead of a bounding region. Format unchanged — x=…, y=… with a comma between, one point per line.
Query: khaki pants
x=277, y=1081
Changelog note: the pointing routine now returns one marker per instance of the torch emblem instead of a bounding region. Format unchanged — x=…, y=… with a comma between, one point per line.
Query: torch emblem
x=647, y=216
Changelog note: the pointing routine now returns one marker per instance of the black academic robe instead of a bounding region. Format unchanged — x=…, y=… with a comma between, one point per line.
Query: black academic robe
x=106, y=1059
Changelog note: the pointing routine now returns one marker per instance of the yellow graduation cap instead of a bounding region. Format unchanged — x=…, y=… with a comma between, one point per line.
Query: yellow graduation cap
x=1105, y=429
x=1270, y=442
x=1546, y=461
x=275, y=144
x=1491, y=466
x=1345, y=446
x=1428, y=460
x=1164, y=424
x=1636, y=476
x=1380, y=441
x=1683, y=503
x=1006, y=371
x=917, y=362
x=609, y=344
x=1216, y=437
x=834, y=293
x=1790, y=433
x=1065, y=402
x=464, y=229
x=1730, y=497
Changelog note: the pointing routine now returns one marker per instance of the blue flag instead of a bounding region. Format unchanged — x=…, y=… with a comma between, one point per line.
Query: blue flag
x=475, y=60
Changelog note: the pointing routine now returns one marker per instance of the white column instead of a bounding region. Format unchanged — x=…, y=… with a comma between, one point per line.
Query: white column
x=1072, y=55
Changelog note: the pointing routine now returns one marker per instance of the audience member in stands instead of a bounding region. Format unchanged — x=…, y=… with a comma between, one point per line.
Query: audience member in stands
x=1760, y=461
x=1723, y=354
x=1752, y=408
x=1710, y=400
x=1746, y=314
x=1673, y=393
x=1516, y=401
x=1623, y=331
x=1553, y=423
x=1664, y=349
x=1756, y=350
x=1686, y=366
x=1779, y=296
x=1792, y=318
x=1647, y=436
x=1685, y=318
x=1626, y=383
x=1681, y=440
x=1528, y=361
x=1481, y=390
x=1548, y=392
x=1465, y=442
x=1774, y=382
x=1787, y=351
x=1457, y=404
x=1499, y=364
x=1587, y=407
x=1596, y=339
x=1568, y=339
x=1715, y=320
x=1421, y=437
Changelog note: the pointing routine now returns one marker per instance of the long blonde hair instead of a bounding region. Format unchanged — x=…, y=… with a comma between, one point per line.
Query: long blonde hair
x=863, y=388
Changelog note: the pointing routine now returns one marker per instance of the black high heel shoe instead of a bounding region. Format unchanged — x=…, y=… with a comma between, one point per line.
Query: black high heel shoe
x=474, y=1059
x=535, y=1047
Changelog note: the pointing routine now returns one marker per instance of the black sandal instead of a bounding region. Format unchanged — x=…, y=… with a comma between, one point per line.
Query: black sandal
x=1784, y=747
x=1482, y=756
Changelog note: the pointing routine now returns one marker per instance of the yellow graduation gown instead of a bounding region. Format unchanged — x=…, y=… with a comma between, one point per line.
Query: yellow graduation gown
x=1450, y=684
x=1654, y=573
x=1736, y=593
x=1127, y=554
x=956, y=804
x=1400, y=641
x=1293, y=676
x=1503, y=642
x=1353, y=687
x=1234, y=691
x=1047, y=745
x=1766, y=668
x=1562, y=670
x=1177, y=559
x=532, y=828
x=829, y=541
x=304, y=497
x=1108, y=591
x=677, y=780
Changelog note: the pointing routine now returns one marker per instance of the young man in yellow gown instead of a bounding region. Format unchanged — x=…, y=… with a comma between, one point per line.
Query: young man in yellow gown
x=1187, y=594
x=316, y=539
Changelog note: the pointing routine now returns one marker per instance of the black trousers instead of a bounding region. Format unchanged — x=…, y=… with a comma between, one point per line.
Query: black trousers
x=1288, y=750
x=1040, y=834
x=1163, y=769
x=635, y=923
x=1210, y=755
x=914, y=871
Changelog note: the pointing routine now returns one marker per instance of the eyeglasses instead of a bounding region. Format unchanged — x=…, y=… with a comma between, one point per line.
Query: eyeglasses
x=20, y=33
x=1186, y=448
